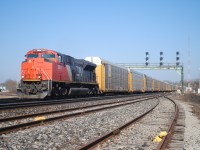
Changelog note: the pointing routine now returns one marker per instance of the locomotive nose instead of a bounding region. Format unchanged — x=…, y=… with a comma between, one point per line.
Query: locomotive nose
x=31, y=71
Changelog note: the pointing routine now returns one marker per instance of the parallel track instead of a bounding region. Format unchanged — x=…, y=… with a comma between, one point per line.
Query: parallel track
x=83, y=112
x=19, y=104
x=163, y=144
x=108, y=135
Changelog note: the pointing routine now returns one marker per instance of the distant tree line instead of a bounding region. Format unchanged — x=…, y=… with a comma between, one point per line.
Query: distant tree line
x=10, y=85
x=194, y=84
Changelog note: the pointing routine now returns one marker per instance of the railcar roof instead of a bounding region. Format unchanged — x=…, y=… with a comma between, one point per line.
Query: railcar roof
x=41, y=49
x=99, y=61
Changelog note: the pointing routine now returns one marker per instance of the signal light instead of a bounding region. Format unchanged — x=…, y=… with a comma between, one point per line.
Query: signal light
x=177, y=58
x=147, y=58
x=161, y=58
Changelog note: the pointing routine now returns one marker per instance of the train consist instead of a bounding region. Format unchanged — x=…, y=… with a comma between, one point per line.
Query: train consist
x=50, y=73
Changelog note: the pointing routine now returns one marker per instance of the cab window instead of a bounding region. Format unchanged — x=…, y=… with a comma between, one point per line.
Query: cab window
x=32, y=56
x=59, y=59
x=48, y=56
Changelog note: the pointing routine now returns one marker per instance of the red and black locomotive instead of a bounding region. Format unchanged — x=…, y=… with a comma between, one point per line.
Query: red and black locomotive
x=49, y=73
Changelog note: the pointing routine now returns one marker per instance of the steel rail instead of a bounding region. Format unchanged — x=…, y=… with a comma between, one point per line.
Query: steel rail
x=50, y=102
x=65, y=110
x=44, y=102
x=163, y=144
x=93, y=143
x=34, y=123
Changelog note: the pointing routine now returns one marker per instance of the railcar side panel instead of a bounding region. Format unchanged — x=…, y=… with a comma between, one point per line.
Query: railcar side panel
x=148, y=84
x=156, y=85
x=137, y=82
x=116, y=79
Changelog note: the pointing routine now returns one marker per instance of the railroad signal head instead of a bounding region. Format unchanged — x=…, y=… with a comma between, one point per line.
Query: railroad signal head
x=161, y=58
x=147, y=58
x=177, y=58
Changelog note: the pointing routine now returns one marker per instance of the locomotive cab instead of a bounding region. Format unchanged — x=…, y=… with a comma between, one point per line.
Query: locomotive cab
x=35, y=74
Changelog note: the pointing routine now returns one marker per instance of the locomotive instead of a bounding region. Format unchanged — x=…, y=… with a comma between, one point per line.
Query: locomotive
x=49, y=73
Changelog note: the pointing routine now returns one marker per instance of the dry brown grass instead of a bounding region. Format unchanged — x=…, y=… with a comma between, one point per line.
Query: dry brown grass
x=194, y=101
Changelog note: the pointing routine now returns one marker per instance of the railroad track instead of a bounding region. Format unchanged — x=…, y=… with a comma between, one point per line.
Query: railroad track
x=94, y=144
x=16, y=103
x=78, y=111
x=75, y=133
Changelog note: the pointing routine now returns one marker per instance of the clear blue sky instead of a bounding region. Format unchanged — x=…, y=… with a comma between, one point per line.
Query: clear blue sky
x=116, y=30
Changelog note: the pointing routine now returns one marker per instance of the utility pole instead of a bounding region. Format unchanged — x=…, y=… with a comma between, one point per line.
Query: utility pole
x=199, y=84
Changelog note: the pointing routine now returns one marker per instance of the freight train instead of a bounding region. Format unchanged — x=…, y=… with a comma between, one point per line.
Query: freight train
x=49, y=73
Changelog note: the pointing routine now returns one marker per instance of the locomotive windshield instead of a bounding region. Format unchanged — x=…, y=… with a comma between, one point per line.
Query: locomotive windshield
x=32, y=56
x=48, y=56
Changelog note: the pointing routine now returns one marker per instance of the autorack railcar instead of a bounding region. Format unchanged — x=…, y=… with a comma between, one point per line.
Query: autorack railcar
x=113, y=78
x=110, y=77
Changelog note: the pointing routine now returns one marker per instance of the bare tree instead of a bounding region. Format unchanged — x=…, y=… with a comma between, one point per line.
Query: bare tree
x=11, y=85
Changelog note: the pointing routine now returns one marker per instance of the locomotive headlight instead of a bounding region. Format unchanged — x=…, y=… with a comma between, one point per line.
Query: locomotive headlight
x=39, y=77
x=22, y=77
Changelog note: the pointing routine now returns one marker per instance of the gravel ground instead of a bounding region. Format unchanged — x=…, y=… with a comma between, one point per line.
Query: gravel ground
x=30, y=119
x=144, y=131
x=39, y=109
x=7, y=95
x=192, y=129
x=191, y=106
x=69, y=134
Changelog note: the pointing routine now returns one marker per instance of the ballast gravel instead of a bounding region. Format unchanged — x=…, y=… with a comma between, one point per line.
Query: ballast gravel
x=31, y=119
x=72, y=133
x=192, y=129
x=192, y=124
x=65, y=134
x=53, y=107
x=140, y=136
